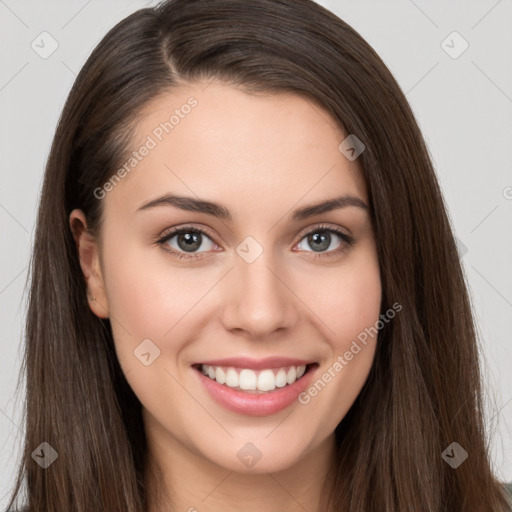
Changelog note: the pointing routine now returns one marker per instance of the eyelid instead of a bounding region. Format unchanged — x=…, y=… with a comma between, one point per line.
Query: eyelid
x=323, y=226
x=169, y=232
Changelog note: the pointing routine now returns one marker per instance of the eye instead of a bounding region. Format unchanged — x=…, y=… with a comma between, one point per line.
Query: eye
x=321, y=240
x=188, y=241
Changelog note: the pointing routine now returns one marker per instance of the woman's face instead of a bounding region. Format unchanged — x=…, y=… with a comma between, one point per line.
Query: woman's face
x=265, y=290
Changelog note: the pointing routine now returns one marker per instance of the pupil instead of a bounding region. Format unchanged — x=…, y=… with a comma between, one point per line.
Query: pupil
x=192, y=241
x=324, y=239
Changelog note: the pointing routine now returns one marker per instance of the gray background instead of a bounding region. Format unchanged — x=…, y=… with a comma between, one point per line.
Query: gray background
x=463, y=106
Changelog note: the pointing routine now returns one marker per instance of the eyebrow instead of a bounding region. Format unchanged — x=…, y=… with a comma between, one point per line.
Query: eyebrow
x=217, y=210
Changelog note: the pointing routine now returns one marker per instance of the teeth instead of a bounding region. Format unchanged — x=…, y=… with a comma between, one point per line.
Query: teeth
x=292, y=375
x=247, y=380
x=220, y=375
x=232, y=378
x=281, y=379
x=250, y=380
x=266, y=381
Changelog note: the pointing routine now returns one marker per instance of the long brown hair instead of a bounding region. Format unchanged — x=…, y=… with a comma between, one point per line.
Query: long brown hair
x=424, y=390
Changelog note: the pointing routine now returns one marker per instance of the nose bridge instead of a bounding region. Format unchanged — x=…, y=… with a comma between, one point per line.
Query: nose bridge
x=259, y=301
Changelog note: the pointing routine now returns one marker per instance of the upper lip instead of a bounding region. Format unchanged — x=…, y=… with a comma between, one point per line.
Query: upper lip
x=256, y=364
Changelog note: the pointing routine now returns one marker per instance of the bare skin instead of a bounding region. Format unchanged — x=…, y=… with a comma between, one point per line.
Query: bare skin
x=261, y=157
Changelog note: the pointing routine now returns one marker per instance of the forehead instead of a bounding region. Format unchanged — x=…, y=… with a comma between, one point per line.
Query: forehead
x=216, y=141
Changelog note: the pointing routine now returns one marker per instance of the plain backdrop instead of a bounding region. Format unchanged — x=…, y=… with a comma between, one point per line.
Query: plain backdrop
x=462, y=99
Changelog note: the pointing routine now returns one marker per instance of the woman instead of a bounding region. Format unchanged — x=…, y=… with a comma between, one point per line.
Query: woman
x=245, y=287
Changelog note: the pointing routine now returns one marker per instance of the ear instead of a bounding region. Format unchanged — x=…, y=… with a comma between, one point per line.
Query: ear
x=88, y=254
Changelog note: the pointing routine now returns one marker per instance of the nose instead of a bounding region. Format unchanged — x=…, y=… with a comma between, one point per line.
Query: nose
x=258, y=299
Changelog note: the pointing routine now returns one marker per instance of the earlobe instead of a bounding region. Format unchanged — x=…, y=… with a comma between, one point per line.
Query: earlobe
x=88, y=255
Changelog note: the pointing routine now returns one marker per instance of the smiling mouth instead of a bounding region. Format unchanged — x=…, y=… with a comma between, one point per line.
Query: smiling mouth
x=255, y=381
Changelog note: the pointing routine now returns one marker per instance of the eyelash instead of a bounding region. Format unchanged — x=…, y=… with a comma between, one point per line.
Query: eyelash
x=347, y=239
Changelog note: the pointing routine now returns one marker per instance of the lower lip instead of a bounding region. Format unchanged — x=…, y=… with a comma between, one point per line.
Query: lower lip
x=256, y=404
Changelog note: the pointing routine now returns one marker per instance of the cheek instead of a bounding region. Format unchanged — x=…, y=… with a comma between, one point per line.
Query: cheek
x=147, y=295
x=351, y=310
x=149, y=299
x=359, y=302
x=346, y=302
x=347, y=299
